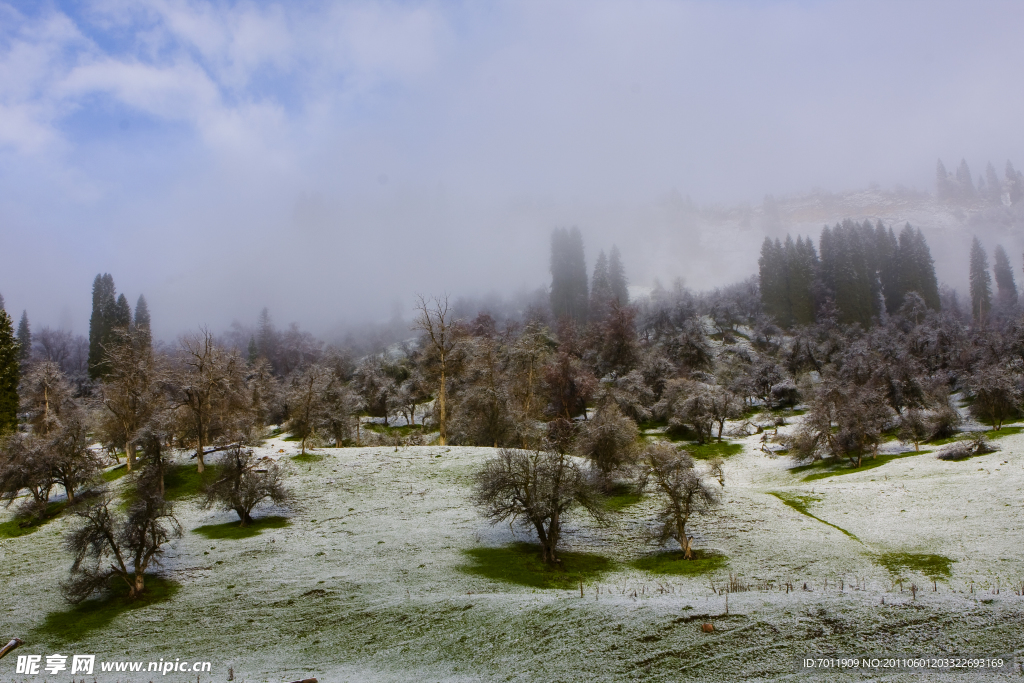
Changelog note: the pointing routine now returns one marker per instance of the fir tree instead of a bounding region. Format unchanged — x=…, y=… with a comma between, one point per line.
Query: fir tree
x=774, y=287
x=981, y=282
x=848, y=271
x=1014, y=183
x=2, y=307
x=253, y=351
x=803, y=268
x=24, y=338
x=142, y=322
x=600, y=289
x=101, y=323
x=122, y=314
x=916, y=267
x=1006, y=287
x=943, y=186
x=888, y=252
x=965, y=185
x=568, y=275
x=617, y=277
x=10, y=374
x=994, y=187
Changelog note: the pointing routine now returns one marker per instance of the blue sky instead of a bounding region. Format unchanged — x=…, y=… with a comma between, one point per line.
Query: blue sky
x=329, y=159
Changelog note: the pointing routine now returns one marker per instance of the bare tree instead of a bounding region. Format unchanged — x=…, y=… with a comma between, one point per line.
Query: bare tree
x=209, y=388
x=25, y=464
x=685, y=491
x=114, y=544
x=845, y=420
x=245, y=483
x=437, y=322
x=130, y=386
x=72, y=462
x=997, y=394
x=307, y=401
x=535, y=489
x=914, y=427
x=46, y=396
x=609, y=441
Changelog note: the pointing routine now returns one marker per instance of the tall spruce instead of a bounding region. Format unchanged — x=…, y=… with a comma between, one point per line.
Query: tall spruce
x=994, y=188
x=101, y=323
x=803, y=269
x=965, y=184
x=142, y=323
x=916, y=267
x=981, y=283
x=887, y=250
x=122, y=314
x=1006, y=286
x=568, y=275
x=848, y=271
x=617, y=277
x=773, y=282
x=24, y=338
x=600, y=289
x=10, y=374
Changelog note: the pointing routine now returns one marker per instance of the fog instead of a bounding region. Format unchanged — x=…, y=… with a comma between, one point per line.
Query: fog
x=331, y=160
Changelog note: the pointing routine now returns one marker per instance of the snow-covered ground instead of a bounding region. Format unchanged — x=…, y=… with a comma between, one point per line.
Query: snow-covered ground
x=365, y=584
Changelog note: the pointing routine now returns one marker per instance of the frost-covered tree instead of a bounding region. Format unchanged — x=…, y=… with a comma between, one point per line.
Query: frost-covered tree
x=24, y=339
x=609, y=441
x=307, y=401
x=997, y=394
x=437, y=322
x=131, y=388
x=245, y=482
x=1006, y=286
x=536, y=489
x=683, y=491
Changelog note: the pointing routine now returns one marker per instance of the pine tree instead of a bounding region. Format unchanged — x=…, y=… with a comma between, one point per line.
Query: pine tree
x=568, y=275
x=995, y=188
x=916, y=267
x=143, y=323
x=965, y=185
x=101, y=323
x=253, y=351
x=617, y=277
x=803, y=269
x=600, y=289
x=2, y=302
x=1006, y=287
x=24, y=338
x=981, y=282
x=888, y=251
x=10, y=374
x=943, y=187
x=848, y=272
x=774, y=288
x=122, y=314
x=1014, y=183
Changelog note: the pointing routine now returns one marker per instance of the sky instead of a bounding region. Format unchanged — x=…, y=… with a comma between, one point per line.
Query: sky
x=331, y=160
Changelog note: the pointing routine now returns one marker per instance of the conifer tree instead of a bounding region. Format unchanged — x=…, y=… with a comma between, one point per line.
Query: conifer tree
x=1006, y=287
x=600, y=289
x=10, y=374
x=774, y=288
x=848, y=272
x=101, y=323
x=916, y=267
x=888, y=252
x=803, y=267
x=24, y=338
x=122, y=314
x=981, y=282
x=1014, y=183
x=995, y=188
x=965, y=184
x=142, y=322
x=568, y=275
x=943, y=187
x=617, y=277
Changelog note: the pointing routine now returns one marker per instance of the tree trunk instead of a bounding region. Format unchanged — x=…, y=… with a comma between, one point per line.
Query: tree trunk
x=442, y=438
x=138, y=585
x=684, y=540
x=244, y=516
x=129, y=451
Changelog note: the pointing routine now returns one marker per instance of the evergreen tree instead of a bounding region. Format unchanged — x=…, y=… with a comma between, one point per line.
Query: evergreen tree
x=10, y=374
x=888, y=252
x=568, y=275
x=266, y=336
x=2, y=307
x=774, y=286
x=101, y=325
x=848, y=271
x=981, y=282
x=943, y=186
x=994, y=187
x=916, y=267
x=253, y=351
x=122, y=314
x=1014, y=183
x=142, y=323
x=600, y=289
x=617, y=277
x=965, y=185
x=24, y=338
x=1006, y=287
x=803, y=268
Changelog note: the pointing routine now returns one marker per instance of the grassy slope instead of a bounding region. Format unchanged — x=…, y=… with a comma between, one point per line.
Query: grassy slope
x=386, y=574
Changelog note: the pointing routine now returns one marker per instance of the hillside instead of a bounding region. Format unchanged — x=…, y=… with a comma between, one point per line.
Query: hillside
x=384, y=572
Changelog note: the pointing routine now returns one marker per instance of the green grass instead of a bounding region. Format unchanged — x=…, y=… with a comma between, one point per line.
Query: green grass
x=74, y=623
x=182, y=481
x=14, y=528
x=673, y=563
x=115, y=473
x=1003, y=431
x=935, y=567
x=520, y=563
x=833, y=468
x=800, y=503
x=714, y=449
x=292, y=438
x=308, y=457
x=232, y=530
x=401, y=430
x=621, y=497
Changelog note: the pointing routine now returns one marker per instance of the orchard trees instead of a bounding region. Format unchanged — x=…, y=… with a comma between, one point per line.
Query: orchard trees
x=244, y=482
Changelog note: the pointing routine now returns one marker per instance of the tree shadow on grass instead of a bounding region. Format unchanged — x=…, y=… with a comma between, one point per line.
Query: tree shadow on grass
x=182, y=481
x=521, y=563
x=703, y=562
x=232, y=530
x=76, y=622
x=19, y=526
x=935, y=567
x=622, y=496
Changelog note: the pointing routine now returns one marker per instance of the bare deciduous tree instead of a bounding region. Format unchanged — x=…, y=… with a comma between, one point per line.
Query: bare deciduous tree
x=609, y=441
x=535, y=489
x=437, y=321
x=307, y=401
x=685, y=491
x=123, y=545
x=130, y=387
x=244, y=482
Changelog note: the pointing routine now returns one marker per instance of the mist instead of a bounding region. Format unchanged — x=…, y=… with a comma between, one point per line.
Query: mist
x=332, y=161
